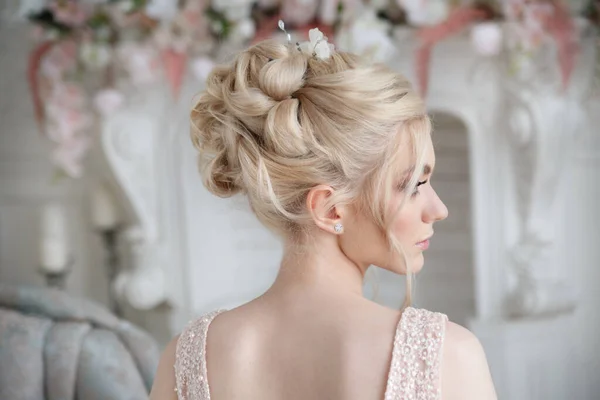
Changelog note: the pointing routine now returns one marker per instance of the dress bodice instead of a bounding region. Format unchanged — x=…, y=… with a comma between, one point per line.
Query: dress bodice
x=414, y=370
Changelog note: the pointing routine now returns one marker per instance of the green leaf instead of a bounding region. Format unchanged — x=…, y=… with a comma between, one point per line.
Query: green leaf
x=219, y=17
x=45, y=18
x=99, y=20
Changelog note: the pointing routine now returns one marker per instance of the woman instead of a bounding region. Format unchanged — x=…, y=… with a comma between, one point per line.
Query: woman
x=335, y=155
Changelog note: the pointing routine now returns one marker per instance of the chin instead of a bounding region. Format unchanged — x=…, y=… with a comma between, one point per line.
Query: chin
x=417, y=268
x=417, y=264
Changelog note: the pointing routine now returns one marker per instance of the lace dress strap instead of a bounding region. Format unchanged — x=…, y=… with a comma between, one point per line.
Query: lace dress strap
x=190, y=360
x=416, y=358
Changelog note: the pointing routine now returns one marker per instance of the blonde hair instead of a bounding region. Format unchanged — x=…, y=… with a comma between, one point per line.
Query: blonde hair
x=276, y=122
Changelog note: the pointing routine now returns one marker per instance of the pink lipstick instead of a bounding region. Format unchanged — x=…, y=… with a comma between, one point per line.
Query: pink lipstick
x=424, y=245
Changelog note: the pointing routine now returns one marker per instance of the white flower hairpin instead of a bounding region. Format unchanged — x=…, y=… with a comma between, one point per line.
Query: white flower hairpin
x=317, y=45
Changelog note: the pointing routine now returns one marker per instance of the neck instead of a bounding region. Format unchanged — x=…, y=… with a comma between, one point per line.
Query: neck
x=320, y=267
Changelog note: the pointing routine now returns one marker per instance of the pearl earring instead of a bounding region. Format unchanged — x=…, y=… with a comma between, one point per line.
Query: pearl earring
x=338, y=228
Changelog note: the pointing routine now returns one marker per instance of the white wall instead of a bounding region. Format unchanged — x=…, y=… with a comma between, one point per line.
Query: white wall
x=581, y=258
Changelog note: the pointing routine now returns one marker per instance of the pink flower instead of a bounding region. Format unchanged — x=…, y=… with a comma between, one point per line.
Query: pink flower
x=121, y=15
x=65, y=123
x=107, y=101
x=534, y=17
x=530, y=18
x=178, y=39
x=299, y=12
x=38, y=33
x=69, y=12
x=513, y=9
x=141, y=63
x=67, y=94
x=69, y=155
x=193, y=13
x=60, y=59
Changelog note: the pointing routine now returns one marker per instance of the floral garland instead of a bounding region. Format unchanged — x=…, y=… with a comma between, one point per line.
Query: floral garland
x=88, y=50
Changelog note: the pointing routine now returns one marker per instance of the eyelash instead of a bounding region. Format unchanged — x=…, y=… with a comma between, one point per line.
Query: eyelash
x=416, y=192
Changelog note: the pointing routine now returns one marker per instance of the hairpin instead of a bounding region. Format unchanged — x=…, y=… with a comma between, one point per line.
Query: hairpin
x=281, y=26
x=317, y=45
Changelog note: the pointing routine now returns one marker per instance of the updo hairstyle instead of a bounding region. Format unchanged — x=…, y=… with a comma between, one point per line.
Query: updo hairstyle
x=275, y=122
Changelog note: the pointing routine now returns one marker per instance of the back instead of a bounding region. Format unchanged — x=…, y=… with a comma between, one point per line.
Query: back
x=267, y=356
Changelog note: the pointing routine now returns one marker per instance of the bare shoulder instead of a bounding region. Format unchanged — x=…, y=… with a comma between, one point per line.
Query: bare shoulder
x=164, y=380
x=465, y=371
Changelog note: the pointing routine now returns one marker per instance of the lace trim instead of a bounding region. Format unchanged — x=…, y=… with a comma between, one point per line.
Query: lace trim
x=416, y=358
x=414, y=370
x=190, y=362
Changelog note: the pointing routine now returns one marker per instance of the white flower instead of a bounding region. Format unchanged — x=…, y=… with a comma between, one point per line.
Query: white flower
x=239, y=13
x=487, y=38
x=344, y=11
x=317, y=45
x=234, y=10
x=125, y=5
x=94, y=55
x=222, y=5
x=425, y=12
x=379, y=4
x=201, y=67
x=367, y=36
x=242, y=30
x=107, y=101
x=141, y=62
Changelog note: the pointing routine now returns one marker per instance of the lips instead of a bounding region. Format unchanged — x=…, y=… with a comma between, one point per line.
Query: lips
x=424, y=244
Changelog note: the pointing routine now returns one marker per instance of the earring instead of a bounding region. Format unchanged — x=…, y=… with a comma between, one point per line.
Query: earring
x=338, y=228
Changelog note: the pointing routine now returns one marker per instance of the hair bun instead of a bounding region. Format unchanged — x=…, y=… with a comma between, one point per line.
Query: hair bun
x=276, y=122
x=248, y=107
x=279, y=79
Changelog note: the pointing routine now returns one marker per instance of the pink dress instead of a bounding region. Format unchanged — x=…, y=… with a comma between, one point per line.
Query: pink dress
x=414, y=371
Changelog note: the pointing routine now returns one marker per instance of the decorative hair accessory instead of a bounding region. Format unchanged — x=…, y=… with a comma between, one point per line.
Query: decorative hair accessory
x=317, y=45
x=281, y=26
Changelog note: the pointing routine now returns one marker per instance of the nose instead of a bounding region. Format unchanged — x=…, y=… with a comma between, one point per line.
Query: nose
x=436, y=210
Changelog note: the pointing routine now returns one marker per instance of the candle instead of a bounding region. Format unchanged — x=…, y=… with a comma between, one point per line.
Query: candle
x=54, y=243
x=105, y=215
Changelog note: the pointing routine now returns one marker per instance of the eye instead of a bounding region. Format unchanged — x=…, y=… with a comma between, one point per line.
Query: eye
x=416, y=192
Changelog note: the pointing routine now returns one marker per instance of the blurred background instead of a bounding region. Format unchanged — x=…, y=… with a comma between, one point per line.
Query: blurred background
x=105, y=225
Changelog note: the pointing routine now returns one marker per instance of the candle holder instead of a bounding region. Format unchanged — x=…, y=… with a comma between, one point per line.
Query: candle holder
x=57, y=279
x=112, y=262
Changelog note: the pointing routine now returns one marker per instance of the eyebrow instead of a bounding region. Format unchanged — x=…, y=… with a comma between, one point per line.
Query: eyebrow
x=427, y=169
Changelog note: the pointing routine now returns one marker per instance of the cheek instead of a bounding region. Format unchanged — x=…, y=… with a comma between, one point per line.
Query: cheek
x=405, y=225
x=362, y=241
x=405, y=228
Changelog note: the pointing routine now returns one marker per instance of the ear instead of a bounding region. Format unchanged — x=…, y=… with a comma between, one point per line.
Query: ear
x=323, y=216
